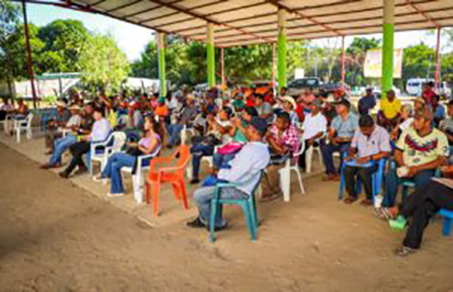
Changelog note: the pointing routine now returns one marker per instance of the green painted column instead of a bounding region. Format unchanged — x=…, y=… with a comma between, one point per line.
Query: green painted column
x=387, y=47
x=281, y=49
x=161, y=53
x=210, y=55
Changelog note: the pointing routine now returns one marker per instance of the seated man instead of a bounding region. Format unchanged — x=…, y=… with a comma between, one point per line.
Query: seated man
x=421, y=206
x=245, y=171
x=314, y=127
x=446, y=125
x=218, y=133
x=79, y=124
x=60, y=120
x=340, y=134
x=370, y=143
x=264, y=109
x=284, y=140
x=101, y=131
x=389, y=115
x=185, y=114
x=421, y=149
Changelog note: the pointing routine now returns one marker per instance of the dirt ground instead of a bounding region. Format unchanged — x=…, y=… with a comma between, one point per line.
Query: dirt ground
x=55, y=236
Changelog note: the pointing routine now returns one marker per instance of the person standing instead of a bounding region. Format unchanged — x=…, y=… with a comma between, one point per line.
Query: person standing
x=367, y=102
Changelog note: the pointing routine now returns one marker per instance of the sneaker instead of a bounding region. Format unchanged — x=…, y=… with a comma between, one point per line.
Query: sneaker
x=217, y=228
x=398, y=223
x=63, y=174
x=197, y=223
x=194, y=181
x=81, y=170
x=110, y=195
x=404, y=251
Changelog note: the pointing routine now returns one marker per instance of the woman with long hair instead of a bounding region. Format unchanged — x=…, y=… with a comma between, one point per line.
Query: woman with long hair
x=150, y=143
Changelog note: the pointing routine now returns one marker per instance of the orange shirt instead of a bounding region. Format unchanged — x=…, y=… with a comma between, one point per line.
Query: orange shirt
x=161, y=110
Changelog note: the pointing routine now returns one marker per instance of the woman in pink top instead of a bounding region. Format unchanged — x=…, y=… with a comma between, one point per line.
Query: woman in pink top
x=149, y=144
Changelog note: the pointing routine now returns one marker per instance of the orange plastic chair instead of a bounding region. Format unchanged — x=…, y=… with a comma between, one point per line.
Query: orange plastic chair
x=168, y=174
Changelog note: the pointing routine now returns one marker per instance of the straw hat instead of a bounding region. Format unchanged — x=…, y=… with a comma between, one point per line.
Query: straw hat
x=290, y=100
x=74, y=107
x=60, y=104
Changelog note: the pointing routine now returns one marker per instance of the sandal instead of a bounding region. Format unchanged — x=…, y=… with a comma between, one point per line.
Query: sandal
x=366, y=202
x=269, y=198
x=404, y=251
x=349, y=200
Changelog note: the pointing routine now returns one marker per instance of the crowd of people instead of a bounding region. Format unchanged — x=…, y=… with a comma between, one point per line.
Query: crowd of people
x=247, y=132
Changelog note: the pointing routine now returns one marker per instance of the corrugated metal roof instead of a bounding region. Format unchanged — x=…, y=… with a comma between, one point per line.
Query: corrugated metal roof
x=241, y=22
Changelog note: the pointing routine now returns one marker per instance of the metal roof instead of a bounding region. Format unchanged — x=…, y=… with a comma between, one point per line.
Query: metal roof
x=242, y=22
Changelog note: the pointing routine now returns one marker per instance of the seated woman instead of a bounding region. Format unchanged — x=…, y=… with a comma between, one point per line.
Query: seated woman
x=150, y=142
x=421, y=205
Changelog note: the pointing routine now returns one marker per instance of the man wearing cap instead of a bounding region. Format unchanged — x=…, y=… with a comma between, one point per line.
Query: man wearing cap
x=314, y=128
x=184, y=115
x=59, y=120
x=389, y=115
x=246, y=169
x=367, y=102
x=341, y=131
x=421, y=149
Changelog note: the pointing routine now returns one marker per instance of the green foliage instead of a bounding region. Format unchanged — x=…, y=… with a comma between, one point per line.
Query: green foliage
x=104, y=65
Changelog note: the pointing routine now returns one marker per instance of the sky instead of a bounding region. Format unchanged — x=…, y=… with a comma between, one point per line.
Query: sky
x=132, y=39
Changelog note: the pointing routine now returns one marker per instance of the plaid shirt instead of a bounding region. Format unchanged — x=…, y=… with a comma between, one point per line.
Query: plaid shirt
x=289, y=138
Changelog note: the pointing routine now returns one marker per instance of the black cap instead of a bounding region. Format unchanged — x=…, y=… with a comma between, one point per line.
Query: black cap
x=259, y=124
x=344, y=102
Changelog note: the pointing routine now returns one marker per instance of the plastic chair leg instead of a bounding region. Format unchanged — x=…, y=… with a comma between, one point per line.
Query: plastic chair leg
x=308, y=159
x=184, y=195
x=214, y=207
x=255, y=211
x=250, y=220
x=342, y=183
x=299, y=177
x=177, y=191
x=447, y=226
x=156, y=190
x=285, y=182
x=137, y=182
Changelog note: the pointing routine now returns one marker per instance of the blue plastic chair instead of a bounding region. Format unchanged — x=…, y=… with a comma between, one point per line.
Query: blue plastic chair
x=376, y=178
x=448, y=217
x=248, y=205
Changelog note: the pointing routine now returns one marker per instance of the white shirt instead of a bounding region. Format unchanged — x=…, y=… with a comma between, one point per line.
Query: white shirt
x=246, y=166
x=406, y=124
x=101, y=130
x=74, y=120
x=313, y=125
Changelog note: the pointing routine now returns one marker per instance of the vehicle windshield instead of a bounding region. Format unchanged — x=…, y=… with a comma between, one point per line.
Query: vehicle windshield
x=303, y=83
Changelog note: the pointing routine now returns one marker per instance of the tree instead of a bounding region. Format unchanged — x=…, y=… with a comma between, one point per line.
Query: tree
x=104, y=66
x=64, y=40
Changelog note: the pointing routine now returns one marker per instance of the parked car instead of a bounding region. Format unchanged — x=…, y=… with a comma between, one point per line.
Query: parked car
x=296, y=87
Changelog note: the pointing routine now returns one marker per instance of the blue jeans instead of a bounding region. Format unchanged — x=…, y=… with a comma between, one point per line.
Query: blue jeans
x=113, y=170
x=174, y=133
x=203, y=197
x=60, y=146
x=327, y=151
x=198, y=151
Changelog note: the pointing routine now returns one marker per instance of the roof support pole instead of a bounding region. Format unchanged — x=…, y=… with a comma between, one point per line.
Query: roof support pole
x=281, y=48
x=210, y=55
x=161, y=54
x=387, y=50
x=437, y=73
x=273, y=64
x=222, y=66
x=343, y=59
x=31, y=74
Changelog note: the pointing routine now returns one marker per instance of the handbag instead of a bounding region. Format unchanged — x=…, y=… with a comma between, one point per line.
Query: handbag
x=230, y=148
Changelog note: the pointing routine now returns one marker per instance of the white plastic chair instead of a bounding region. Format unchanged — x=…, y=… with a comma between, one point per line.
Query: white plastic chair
x=138, y=179
x=309, y=154
x=184, y=134
x=285, y=173
x=119, y=139
x=23, y=126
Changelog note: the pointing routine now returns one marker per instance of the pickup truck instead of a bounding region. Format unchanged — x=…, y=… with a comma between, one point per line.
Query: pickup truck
x=297, y=86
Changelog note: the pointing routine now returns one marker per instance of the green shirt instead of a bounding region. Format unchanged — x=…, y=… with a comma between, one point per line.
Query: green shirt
x=239, y=136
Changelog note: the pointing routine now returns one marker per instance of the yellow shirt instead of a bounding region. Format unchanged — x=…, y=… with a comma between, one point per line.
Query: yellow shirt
x=390, y=109
x=112, y=117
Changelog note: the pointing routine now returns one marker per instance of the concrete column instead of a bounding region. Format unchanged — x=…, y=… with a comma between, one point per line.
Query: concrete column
x=281, y=48
x=161, y=53
x=210, y=54
x=387, y=48
x=437, y=73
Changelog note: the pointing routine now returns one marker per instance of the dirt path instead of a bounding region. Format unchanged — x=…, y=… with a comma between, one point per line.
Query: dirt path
x=56, y=237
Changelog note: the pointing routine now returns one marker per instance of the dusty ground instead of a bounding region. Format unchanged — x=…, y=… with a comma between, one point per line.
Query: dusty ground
x=55, y=236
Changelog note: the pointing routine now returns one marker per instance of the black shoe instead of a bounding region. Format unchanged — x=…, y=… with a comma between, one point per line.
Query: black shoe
x=217, y=228
x=196, y=223
x=194, y=181
x=63, y=174
x=81, y=170
x=169, y=146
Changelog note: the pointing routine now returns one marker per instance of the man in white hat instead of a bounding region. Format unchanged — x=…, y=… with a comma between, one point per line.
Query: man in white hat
x=289, y=106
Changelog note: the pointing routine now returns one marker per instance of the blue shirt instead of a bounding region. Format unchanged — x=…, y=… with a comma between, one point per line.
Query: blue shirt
x=366, y=104
x=346, y=128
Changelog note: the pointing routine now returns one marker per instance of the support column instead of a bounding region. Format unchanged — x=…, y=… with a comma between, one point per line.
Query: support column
x=437, y=73
x=343, y=59
x=387, y=48
x=31, y=74
x=210, y=55
x=162, y=74
x=222, y=66
x=273, y=65
x=281, y=43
